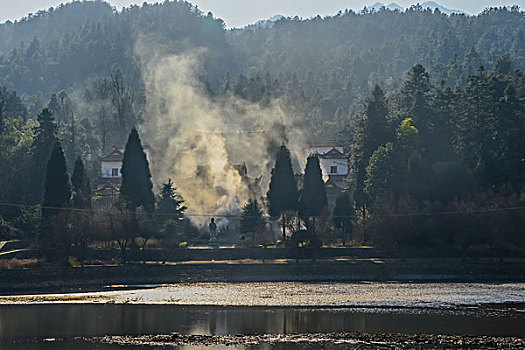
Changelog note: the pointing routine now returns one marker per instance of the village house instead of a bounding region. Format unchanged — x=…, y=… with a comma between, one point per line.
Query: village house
x=107, y=185
x=334, y=165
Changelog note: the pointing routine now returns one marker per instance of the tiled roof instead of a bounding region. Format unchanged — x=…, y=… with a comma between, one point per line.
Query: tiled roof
x=332, y=154
x=115, y=156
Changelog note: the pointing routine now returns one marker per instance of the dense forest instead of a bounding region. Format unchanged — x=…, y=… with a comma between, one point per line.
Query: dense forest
x=431, y=106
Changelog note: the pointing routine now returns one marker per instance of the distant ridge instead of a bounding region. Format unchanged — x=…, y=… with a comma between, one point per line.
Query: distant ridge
x=433, y=5
x=393, y=6
x=427, y=4
x=265, y=23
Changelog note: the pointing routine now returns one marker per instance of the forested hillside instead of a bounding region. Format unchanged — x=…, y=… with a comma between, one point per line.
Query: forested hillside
x=101, y=45
x=323, y=68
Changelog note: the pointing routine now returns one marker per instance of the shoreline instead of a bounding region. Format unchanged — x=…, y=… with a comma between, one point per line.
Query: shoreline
x=121, y=277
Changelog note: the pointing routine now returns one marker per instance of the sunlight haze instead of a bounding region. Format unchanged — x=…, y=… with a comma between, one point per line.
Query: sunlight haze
x=238, y=13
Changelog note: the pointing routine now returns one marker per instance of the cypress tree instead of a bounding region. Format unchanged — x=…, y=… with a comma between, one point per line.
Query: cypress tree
x=137, y=188
x=81, y=219
x=343, y=213
x=81, y=186
x=282, y=195
x=45, y=137
x=313, y=194
x=57, y=188
x=55, y=240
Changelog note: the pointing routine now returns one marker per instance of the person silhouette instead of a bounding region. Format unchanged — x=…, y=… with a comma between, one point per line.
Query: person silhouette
x=213, y=229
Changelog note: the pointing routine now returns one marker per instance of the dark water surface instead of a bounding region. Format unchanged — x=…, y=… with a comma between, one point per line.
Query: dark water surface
x=26, y=326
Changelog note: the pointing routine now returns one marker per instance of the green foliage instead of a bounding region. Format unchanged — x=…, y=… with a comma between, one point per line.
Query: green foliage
x=343, y=215
x=10, y=106
x=381, y=172
x=252, y=220
x=373, y=130
x=81, y=186
x=8, y=232
x=55, y=240
x=282, y=195
x=136, y=186
x=43, y=142
x=15, y=160
x=312, y=200
x=169, y=228
x=57, y=187
x=170, y=204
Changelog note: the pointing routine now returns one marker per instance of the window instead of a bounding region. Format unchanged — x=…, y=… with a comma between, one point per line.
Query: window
x=114, y=172
x=333, y=169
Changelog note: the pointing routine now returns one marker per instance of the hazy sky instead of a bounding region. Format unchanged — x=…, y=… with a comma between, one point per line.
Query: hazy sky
x=241, y=12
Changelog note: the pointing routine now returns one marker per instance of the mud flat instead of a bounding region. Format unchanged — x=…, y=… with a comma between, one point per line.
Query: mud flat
x=308, y=341
x=318, y=341
x=294, y=294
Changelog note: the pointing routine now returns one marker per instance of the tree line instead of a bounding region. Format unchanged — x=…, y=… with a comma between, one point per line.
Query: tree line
x=443, y=167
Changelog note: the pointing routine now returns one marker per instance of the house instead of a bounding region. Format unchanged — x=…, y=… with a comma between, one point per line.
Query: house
x=334, y=165
x=107, y=185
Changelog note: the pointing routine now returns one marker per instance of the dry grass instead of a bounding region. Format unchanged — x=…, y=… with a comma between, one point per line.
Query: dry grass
x=11, y=264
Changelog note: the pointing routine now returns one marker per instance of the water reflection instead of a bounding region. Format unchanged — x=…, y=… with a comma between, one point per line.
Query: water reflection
x=24, y=322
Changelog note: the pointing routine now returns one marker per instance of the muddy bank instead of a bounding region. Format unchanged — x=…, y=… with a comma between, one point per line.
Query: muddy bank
x=317, y=341
x=297, y=294
x=338, y=270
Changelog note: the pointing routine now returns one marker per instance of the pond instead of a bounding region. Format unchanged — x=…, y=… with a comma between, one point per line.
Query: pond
x=62, y=324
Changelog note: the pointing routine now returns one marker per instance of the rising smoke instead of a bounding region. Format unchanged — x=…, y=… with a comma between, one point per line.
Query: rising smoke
x=199, y=141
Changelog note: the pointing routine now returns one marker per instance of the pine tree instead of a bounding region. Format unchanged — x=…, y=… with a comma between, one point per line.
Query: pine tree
x=373, y=131
x=414, y=99
x=282, y=195
x=313, y=194
x=137, y=188
x=55, y=240
x=170, y=205
x=45, y=137
x=252, y=219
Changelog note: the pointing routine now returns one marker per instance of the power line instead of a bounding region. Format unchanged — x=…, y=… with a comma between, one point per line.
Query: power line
x=440, y=213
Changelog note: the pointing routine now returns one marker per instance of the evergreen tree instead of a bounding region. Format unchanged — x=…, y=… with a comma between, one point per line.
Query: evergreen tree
x=252, y=220
x=45, y=138
x=373, y=131
x=343, y=214
x=81, y=219
x=10, y=106
x=136, y=187
x=313, y=199
x=170, y=205
x=282, y=195
x=55, y=239
x=414, y=98
x=81, y=186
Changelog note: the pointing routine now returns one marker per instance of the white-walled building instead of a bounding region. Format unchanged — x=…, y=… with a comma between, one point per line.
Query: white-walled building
x=107, y=186
x=111, y=164
x=334, y=164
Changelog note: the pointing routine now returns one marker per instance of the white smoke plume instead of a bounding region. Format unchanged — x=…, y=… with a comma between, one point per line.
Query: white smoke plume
x=197, y=141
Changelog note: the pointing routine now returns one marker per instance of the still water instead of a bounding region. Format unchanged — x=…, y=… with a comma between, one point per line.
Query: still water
x=74, y=321
x=26, y=326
